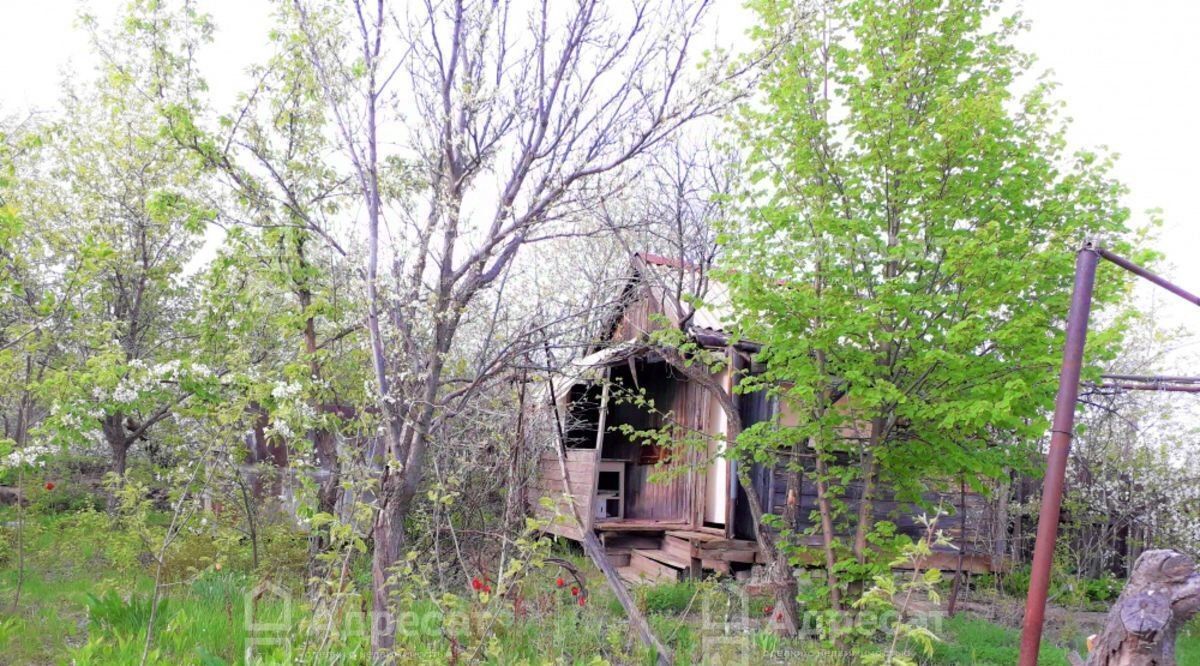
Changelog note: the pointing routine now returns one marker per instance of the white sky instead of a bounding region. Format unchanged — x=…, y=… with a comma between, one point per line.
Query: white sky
x=1126, y=69
x=1127, y=73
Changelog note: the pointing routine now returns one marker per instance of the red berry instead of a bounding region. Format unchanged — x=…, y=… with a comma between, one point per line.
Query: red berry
x=49, y=485
x=487, y=588
x=559, y=582
x=582, y=601
x=767, y=610
x=476, y=584
x=574, y=591
x=779, y=617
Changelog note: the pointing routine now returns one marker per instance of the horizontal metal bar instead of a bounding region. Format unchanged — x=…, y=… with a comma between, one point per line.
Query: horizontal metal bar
x=1169, y=388
x=1143, y=273
x=1154, y=379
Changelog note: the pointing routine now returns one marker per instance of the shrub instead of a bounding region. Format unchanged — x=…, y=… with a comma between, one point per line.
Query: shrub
x=1016, y=582
x=668, y=598
x=1104, y=588
x=65, y=498
x=114, y=614
x=8, y=544
x=281, y=548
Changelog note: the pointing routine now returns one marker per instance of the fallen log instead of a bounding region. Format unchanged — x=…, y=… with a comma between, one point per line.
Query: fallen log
x=1162, y=594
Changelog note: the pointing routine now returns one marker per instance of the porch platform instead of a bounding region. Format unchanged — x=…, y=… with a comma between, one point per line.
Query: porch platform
x=639, y=525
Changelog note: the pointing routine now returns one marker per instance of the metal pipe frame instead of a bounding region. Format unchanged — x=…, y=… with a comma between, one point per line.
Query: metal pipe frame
x=1153, y=379
x=1167, y=388
x=1152, y=277
x=1061, y=432
x=1063, y=426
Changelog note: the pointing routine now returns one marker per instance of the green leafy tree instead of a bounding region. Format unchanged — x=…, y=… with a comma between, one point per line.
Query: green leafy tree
x=274, y=155
x=904, y=249
x=115, y=202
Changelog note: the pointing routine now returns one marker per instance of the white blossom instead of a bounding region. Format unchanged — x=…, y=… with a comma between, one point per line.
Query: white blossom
x=124, y=394
x=33, y=455
x=283, y=391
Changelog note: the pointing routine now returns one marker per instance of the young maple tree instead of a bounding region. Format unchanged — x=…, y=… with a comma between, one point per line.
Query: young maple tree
x=904, y=247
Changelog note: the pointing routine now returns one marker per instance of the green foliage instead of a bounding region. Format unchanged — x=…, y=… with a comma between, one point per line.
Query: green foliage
x=671, y=598
x=977, y=642
x=1105, y=588
x=65, y=498
x=1066, y=588
x=887, y=594
x=111, y=612
x=8, y=544
x=903, y=243
x=1016, y=582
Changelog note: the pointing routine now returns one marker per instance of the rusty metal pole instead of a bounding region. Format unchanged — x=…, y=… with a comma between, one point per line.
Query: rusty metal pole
x=1152, y=277
x=1061, y=432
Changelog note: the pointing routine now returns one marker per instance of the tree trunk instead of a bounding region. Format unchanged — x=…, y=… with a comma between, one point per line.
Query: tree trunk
x=795, y=489
x=118, y=443
x=328, y=484
x=825, y=508
x=791, y=518
x=956, y=586
x=324, y=441
x=1000, y=523
x=388, y=535
x=1162, y=595
x=113, y=427
x=866, y=513
x=779, y=572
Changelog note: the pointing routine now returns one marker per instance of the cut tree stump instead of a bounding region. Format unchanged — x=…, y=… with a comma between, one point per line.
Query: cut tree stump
x=10, y=495
x=1163, y=593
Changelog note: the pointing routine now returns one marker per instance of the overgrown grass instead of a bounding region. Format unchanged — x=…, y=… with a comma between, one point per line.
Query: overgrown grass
x=86, y=600
x=972, y=641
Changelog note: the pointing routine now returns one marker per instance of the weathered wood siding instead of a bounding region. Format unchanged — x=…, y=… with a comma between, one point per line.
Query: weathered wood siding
x=548, y=483
x=639, y=310
x=971, y=527
x=886, y=507
x=665, y=491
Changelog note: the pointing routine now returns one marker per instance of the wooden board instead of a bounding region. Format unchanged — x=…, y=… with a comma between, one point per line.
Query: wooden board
x=643, y=525
x=694, y=535
x=652, y=569
x=664, y=557
x=581, y=488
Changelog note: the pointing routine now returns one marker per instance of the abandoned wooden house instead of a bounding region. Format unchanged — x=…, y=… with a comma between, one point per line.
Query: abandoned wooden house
x=664, y=512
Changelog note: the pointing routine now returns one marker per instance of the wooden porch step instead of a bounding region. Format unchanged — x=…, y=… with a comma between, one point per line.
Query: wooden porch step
x=637, y=525
x=709, y=548
x=692, y=535
x=658, y=565
x=634, y=577
x=618, y=557
x=630, y=540
x=663, y=557
x=679, y=548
